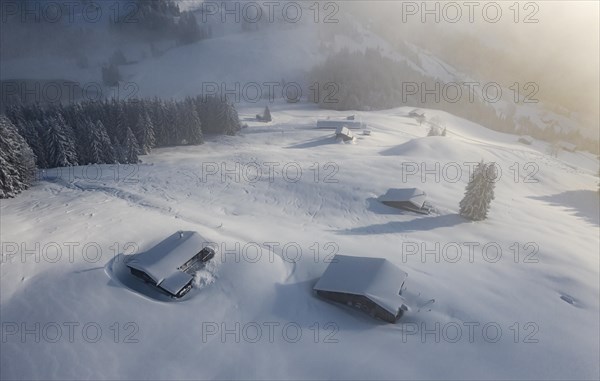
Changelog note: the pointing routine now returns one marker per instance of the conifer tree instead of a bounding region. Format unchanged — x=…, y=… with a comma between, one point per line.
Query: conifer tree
x=267, y=115
x=157, y=116
x=94, y=150
x=108, y=151
x=130, y=148
x=232, y=119
x=31, y=132
x=144, y=130
x=479, y=192
x=17, y=161
x=189, y=124
x=218, y=115
x=59, y=143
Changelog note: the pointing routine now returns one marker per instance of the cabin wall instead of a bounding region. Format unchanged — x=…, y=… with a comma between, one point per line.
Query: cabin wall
x=142, y=275
x=334, y=124
x=402, y=205
x=361, y=303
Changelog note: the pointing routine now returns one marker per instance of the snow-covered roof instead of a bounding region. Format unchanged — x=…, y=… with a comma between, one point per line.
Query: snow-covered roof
x=567, y=146
x=335, y=123
x=375, y=278
x=344, y=132
x=415, y=196
x=162, y=262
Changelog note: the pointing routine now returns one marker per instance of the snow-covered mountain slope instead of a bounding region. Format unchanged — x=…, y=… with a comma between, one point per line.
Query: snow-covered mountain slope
x=238, y=59
x=533, y=314
x=239, y=63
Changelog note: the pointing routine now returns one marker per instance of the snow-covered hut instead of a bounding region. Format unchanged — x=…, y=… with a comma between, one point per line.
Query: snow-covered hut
x=170, y=265
x=567, y=146
x=344, y=133
x=526, y=139
x=416, y=114
x=373, y=285
x=413, y=199
x=334, y=124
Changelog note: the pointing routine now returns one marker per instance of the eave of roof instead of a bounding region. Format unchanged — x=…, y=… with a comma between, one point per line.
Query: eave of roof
x=161, y=262
x=415, y=196
x=375, y=278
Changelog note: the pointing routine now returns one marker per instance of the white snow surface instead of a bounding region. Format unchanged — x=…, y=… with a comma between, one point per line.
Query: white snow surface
x=547, y=311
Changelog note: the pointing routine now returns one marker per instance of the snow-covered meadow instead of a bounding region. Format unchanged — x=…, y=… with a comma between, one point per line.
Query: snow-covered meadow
x=512, y=297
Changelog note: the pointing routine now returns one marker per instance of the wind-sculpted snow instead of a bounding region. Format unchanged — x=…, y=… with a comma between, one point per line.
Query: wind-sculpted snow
x=513, y=296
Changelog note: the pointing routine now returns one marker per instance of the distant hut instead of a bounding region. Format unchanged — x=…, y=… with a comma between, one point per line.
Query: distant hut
x=567, y=146
x=265, y=117
x=526, y=139
x=412, y=199
x=334, y=124
x=416, y=114
x=344, y=133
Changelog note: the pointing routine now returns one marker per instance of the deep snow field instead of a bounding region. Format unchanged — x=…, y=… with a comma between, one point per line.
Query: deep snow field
x=531, y=313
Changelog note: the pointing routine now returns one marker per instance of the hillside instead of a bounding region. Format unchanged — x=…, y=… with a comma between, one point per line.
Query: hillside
x=246, y=63
x=546, y=297
x=354, y=190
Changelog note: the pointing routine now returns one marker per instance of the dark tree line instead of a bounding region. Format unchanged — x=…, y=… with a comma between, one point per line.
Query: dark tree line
x=158, y=19
x=103, y=132
x=370, y=81
x=70, y=28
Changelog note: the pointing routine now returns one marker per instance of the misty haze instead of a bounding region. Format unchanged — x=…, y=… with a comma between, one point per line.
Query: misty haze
x=302, y=190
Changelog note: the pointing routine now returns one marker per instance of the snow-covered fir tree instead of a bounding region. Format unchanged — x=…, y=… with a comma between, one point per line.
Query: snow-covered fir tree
x=479, y=192
x=208, y=110
x=33, y=132
x=130, y=148
x=60, y=144
x=267, y=115
x=218, y=115
x=144, y=130
x=108, y=151
x=189, y=124
x=17, y=161
x=171, y=115
x=99, y=148
x=233, y=120
x=157, y=115
x=82, y=138
x=118, y=129
x=16, y=115
x=94, y=152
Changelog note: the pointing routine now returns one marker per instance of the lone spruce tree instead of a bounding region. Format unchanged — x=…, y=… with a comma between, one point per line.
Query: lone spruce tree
x=267, y=115
x=479, y=192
